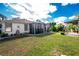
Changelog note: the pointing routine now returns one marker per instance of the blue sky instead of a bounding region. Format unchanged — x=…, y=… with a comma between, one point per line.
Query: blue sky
x=7, y=10
x=67, y=10
x=62, y=11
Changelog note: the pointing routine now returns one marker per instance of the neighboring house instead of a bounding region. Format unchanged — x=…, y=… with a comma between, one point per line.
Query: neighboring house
x=17, y=26
x=75, y=21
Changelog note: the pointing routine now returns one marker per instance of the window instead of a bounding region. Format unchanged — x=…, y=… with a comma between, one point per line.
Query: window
x=18, y=27
x=26, y=27
x=0, y=25
x=0, y=28
x=8, y=27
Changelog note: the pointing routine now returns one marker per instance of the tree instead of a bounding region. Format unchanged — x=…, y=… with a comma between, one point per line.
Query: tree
x=56, y=27
x=72, y=28
x=60, y=27
x=53, y=28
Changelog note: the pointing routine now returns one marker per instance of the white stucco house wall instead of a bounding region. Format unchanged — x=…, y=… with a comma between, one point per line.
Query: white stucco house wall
x=15, y=26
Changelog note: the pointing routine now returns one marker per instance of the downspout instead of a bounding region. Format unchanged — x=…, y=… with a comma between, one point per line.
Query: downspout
x=34, y=29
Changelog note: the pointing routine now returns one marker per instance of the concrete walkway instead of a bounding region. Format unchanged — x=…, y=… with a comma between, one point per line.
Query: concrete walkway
x=72, y=34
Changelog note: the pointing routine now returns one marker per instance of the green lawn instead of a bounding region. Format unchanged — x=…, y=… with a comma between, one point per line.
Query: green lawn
x=49, y=45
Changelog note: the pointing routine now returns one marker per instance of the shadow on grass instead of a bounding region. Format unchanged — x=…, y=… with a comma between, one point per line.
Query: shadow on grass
x=43, y=35
x=12, y=38
x=28, y=35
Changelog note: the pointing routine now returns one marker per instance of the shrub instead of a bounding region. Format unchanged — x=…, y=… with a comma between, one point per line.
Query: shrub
x=72, y=28
x=53, y=28
x=59, y=27
x=3, y=34
x=11, y=35
x=62, y=33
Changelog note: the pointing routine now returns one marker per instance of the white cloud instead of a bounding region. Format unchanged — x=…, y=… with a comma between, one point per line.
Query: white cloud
x=72, y=17
x=60, y=19
x=52, y=8
x=14, y=16
x=64, y=4
x=39, y=8
x=51, y=1
x=24, y=13
x=45, y=21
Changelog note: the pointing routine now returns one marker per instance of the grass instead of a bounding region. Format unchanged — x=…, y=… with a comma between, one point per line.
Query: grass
x=49, y=45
